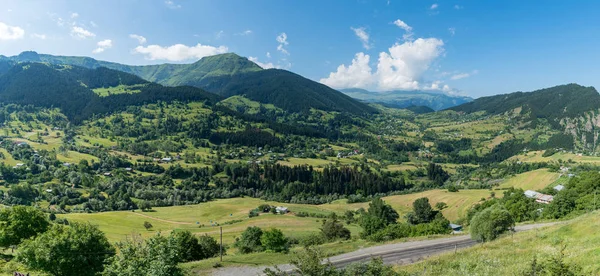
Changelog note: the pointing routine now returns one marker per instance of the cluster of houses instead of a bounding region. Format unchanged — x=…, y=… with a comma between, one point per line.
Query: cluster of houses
x=348, y=154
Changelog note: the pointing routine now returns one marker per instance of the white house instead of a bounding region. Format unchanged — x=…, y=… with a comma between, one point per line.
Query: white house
x=559, y=187
x=281, y=210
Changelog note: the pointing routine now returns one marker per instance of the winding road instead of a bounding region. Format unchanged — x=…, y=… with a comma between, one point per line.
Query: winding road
x=397, y=253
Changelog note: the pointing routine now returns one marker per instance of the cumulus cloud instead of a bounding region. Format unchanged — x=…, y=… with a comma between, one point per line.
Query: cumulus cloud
x=8, y=32
x=282, y=40
x=81, y=32
x=401, y=67
x=267, y=65
x=363, y=36
x=139, y=38
x=103, y=45
x=179, y=52
x=434, y=6
x=408, y=29
x=358, y=74
x=39, y=36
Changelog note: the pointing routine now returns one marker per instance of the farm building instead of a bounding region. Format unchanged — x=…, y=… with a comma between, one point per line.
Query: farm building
x=539, y=197
x=456, y=228
x=559, y=187
x=281, y=210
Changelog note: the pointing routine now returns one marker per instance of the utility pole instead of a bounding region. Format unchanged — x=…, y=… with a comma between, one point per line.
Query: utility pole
x=221, y=248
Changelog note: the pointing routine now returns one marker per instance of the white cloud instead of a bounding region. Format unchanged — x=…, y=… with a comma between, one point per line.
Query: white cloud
x=103, y=45
x=408, y=29
x=363, y=36
x=460, y=76
x=93, y=24
x=267, y=65
x=39, y=36
x=457, y=7
x=179, y=52
x=463, y=75
x=74, y=15
x=219, y=34
x=107, y=43
x=81, y=32
x=358, y=74
x=246, y=32
x=401, y=67
x=10, y=32
x=434, y=6
x=172, y=5
x=282, y=40
x=405, y=63
x=268, y=55
x=139, y=38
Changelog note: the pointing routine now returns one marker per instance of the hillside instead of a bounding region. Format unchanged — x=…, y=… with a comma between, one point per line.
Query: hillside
x=71, y=89
x=403, y=99
x=228, y=75
x=291, y=92
x=552, y=103
x=513, y=255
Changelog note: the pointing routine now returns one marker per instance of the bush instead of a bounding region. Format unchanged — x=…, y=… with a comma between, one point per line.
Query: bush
x=333, y=229
x=67, y=250
x=253, y=213
x=312, y=240
x=274, y=241
x=490, y=223
x=250, y=240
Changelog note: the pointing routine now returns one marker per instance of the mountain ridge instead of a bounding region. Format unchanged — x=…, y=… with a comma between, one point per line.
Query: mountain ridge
x=227, y=75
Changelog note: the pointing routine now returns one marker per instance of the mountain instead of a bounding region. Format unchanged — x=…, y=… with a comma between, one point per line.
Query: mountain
x=553, y=104
x=403, y=99
x=228, y=75
x=73, y=89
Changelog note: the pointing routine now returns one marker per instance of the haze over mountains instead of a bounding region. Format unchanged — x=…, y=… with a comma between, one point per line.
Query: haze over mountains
x=405, y=98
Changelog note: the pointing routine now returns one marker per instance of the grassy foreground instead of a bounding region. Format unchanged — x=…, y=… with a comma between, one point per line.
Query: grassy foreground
x=513, y=255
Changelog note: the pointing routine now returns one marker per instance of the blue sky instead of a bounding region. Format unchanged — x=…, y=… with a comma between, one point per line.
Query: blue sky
x=474, y=48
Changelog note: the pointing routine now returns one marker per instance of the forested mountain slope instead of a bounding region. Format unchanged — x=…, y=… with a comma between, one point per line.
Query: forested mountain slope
x=71, y=89
x=552, y=103
x=228, y=74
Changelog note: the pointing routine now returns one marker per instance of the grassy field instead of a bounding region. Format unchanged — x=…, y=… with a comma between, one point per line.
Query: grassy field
x=119, y=225
x=533, y=180
x=536, y=156
x=512, y=255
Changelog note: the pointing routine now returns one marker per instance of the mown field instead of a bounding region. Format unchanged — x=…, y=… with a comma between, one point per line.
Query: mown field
x=536, y=156
x=513, y=255
x=201, y=218
x=533, y=180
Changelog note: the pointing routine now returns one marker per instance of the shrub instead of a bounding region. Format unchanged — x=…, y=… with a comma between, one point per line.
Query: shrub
x=250, y=240
x=490, y=223
x=274, y=241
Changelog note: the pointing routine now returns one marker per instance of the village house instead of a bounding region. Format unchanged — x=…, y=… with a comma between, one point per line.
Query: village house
x=281, y=210
x=539, y=197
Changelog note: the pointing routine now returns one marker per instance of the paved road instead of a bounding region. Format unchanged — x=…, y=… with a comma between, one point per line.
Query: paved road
x=397, y=253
